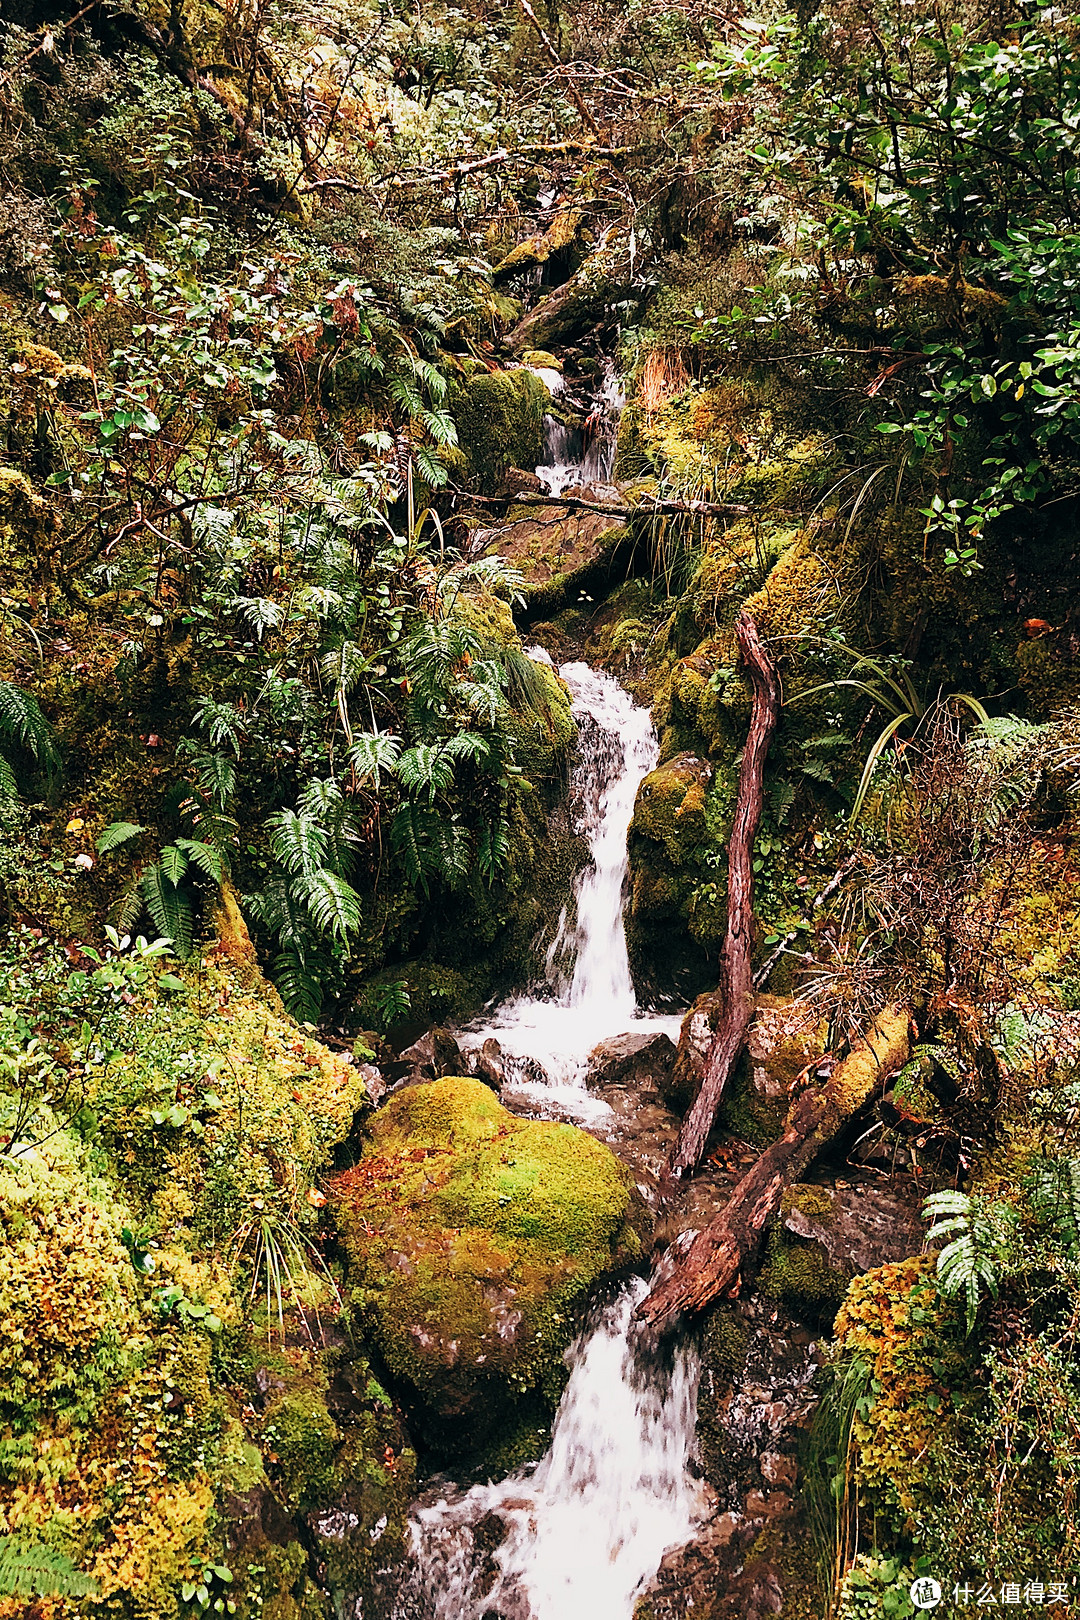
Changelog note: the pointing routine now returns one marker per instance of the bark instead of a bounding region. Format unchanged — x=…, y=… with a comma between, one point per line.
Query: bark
x=717, y=1255
x=736, y=978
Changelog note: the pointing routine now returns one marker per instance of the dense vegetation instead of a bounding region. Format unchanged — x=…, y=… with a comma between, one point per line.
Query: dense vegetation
x=278, y=290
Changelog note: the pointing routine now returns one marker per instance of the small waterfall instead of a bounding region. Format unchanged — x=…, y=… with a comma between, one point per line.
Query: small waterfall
x=574, y=1538
x=584, y=455
x=589, y=994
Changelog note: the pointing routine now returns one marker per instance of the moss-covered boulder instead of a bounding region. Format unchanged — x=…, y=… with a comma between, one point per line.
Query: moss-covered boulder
x=499, y=417
x=472, y=1235
x=677, y=909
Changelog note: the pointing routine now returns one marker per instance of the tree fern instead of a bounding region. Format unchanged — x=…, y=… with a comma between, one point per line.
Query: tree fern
x=170, y=909
x=36, y=1571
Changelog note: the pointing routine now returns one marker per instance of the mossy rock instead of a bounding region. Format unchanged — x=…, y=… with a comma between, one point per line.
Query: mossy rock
x=499, y=418
x=472, y=1235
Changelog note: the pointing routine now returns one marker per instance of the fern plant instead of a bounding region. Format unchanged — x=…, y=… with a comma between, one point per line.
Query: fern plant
x=33, y=1570
x=310, y=906
x=980, y=1251
x=23, y=724
x=160, y=889
x=1053, y=1187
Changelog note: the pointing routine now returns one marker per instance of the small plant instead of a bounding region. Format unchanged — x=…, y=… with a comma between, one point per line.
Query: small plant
x=207, y=1590
x=979, y=1253
x=160, y=888
x=285, y=1264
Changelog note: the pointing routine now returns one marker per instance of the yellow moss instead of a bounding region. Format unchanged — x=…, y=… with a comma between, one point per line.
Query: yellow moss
x=792, y=596
x=66, y=1283
x=893, y=1319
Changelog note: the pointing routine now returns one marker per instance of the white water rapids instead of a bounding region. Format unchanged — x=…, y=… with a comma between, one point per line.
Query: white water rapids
x=575, y=1537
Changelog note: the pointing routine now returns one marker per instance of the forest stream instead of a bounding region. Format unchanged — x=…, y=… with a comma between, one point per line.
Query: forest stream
x=539, y=810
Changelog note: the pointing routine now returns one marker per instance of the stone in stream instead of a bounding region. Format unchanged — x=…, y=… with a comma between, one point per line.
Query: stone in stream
x=436, y=1053
x=638, y=1060
x=472, y=1235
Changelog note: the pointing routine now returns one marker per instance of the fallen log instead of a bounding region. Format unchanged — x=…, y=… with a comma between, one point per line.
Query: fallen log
x=718, y=1253
x=735, y=982
x=647, y=506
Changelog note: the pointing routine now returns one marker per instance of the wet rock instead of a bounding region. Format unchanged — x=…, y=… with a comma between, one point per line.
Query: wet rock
x=486, y=1063
x=858, y=1226
x=640, y=1060
x=683, y=1081
x=374, y=1084
x=435, y=1054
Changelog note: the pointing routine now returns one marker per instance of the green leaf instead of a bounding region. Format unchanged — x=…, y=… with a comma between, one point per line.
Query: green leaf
x=115, y=834
x=170, y=910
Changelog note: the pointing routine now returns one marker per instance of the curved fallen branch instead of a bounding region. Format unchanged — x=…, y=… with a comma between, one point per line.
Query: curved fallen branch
x=736, y=979
x=717, y=1255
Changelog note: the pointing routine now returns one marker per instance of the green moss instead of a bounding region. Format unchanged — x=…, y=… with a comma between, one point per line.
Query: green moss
x=473, y=1233
x=303, y=1437
x=799, y=1273
x=499, y=419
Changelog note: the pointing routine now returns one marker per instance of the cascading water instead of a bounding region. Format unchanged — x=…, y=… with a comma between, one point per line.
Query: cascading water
x=577, y=1535
x=585, y=455
x=594, y=998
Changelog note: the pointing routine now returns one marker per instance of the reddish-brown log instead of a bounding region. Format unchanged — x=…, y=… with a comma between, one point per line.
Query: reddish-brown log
x=736, y=978
x=718, y=1253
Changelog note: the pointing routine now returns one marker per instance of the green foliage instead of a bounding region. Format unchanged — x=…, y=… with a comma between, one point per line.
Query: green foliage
x=32, y=1570
x=981, y=1250
x=22, y=723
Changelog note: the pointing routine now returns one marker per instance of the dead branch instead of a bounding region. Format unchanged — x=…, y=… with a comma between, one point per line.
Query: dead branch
x=736, y=980
x=718, y=1253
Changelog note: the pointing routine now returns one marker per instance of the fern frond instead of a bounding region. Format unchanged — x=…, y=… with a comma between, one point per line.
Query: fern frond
x=22, y=720
x=468, y=745
x=426, y=769
x=115, y=834
x=9, y=788
x=36, y=1571
x=208, y=859
x=299, y=989
x=174, y=863
x=334, y=905
x=128, y=906
x=297, y=842
x=170, y=910
x=260, y=612
x=373, y=752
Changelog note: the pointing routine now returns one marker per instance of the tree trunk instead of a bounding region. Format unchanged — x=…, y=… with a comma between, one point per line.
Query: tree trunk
x=736, y=980
x=716, y=1256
